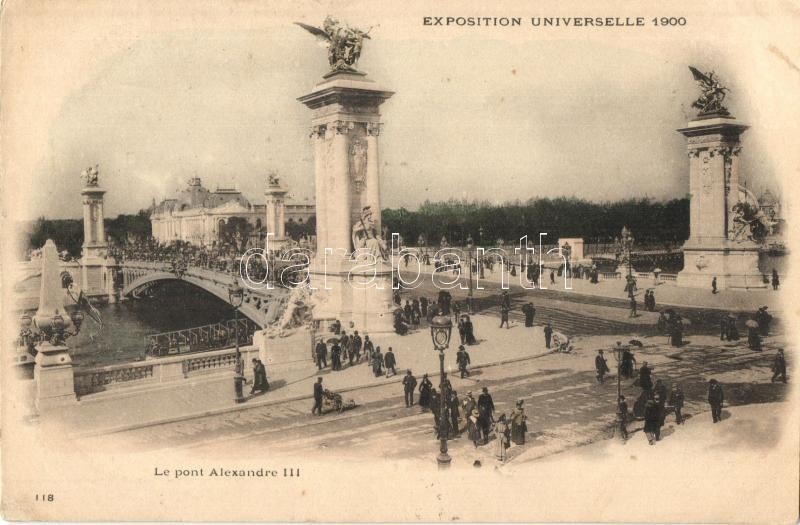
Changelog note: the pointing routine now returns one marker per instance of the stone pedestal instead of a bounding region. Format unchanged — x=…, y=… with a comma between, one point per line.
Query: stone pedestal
x=715, y=248
x=55, y=383
x=345, y=130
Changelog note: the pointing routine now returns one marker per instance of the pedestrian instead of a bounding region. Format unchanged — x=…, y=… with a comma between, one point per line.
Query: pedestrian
x=469, y=403
x=764, y=319
x=753, y=339
x=469, y=331
x=409, y=384
x=369, y=349
x=503, y=438
x=628, y=365
x=377, y=362
x=452, y=407
x=661, y=324
x=318, y=393
x=425, y=388
x=344, y=342
x=715, y=399
x=407, y=311
x=336, y=357
x=462, y=359
x=529, y=312
x=548, y=334
x=552, y=277
x=473, y=428
x=519, y=423
x=436, y=406
x=633, y=307
x=390, y=362
x=652, y=420
x=623, y=416
x=660, y=391
x=486, y=411
x=714, y=285
x=462, y=329
x=355, y=348
x=423, y=304
x=601, y=366
x=775, y=279
x=322, y=355
x=645, y=381
x=723, y=328
x=504, y=316
x=779, y=367
x=260, y=382
x=676, y=399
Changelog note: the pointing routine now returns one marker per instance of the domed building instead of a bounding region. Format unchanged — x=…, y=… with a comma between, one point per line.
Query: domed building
x=198, y=215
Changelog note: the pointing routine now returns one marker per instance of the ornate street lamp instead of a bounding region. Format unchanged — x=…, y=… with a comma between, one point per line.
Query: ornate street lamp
x=236, y=298
x=618, y=350
x=626, y=241
x=441, y=327
x=469, y=256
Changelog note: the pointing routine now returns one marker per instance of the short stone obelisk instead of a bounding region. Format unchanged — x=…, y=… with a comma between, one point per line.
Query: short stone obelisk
x=718, y=246
x=55, y=385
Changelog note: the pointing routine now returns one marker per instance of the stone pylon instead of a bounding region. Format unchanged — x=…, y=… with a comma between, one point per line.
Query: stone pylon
x=345, y=127
x=717, y=245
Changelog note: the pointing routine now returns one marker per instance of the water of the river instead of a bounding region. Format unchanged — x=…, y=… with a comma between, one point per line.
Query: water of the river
x=173, y=306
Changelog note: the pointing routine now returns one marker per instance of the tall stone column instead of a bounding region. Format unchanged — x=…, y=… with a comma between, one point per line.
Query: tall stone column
x=94, y=279
x=318, y=136
x=275, y=196
x=718, y=246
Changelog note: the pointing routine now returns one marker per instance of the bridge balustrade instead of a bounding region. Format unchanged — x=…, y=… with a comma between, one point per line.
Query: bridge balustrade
x=201, y=339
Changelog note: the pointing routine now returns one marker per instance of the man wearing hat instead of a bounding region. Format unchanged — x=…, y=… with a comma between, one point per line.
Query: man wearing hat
x=409, y=384
x=715, y=399
x=486, y=411
x=462, y=359
x=518, y=424
x=601, y=366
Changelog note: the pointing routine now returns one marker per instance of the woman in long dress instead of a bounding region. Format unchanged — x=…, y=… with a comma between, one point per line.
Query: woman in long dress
x=503, y=438
x=425, y=392
x=518, y=424
x=474, y=428
x=470, y=334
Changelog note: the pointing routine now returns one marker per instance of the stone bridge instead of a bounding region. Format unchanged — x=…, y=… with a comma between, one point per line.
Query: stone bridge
x=262, y=306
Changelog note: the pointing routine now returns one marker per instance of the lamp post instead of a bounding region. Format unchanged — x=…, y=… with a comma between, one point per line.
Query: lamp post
x=441, y=327
x=236, y=297
x=469, y=256
x=620, y=416
x=626, y=241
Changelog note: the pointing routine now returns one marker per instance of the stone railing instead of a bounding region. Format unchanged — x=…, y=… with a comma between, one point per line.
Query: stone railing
x=158, y=370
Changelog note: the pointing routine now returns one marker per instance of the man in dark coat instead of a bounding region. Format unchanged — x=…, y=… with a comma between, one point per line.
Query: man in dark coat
x=763, y=319
x=452, y=407
x=601, y=366
x=714, y=285
x=776, y=281
x=676, y=399
x=715, y=399
x=423, y=304
x=369, y=349
x=486, y=411
x=529, y=312
x=652, y=421
x=260, y=382
x=390, y=362
x=462, y=360
x=322, y=355
x=779, y=367
x=436, y=406
x=336, y=356
x=355, y=348
x=409, y=384
x=548, y=334
x=645, y=381
x=317, y=397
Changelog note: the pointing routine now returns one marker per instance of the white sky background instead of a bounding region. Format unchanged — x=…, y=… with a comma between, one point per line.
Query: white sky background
x=160, y=95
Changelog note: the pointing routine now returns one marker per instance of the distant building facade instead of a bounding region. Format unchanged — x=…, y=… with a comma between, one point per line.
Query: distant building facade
x=197, y=214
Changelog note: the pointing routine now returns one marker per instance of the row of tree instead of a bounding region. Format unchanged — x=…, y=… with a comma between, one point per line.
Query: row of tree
x=651, y=222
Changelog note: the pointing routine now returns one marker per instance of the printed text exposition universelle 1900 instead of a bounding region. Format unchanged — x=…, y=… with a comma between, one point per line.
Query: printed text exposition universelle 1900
x=539, y=21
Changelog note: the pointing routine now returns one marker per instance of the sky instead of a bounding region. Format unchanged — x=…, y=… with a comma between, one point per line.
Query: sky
x=490, y=114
